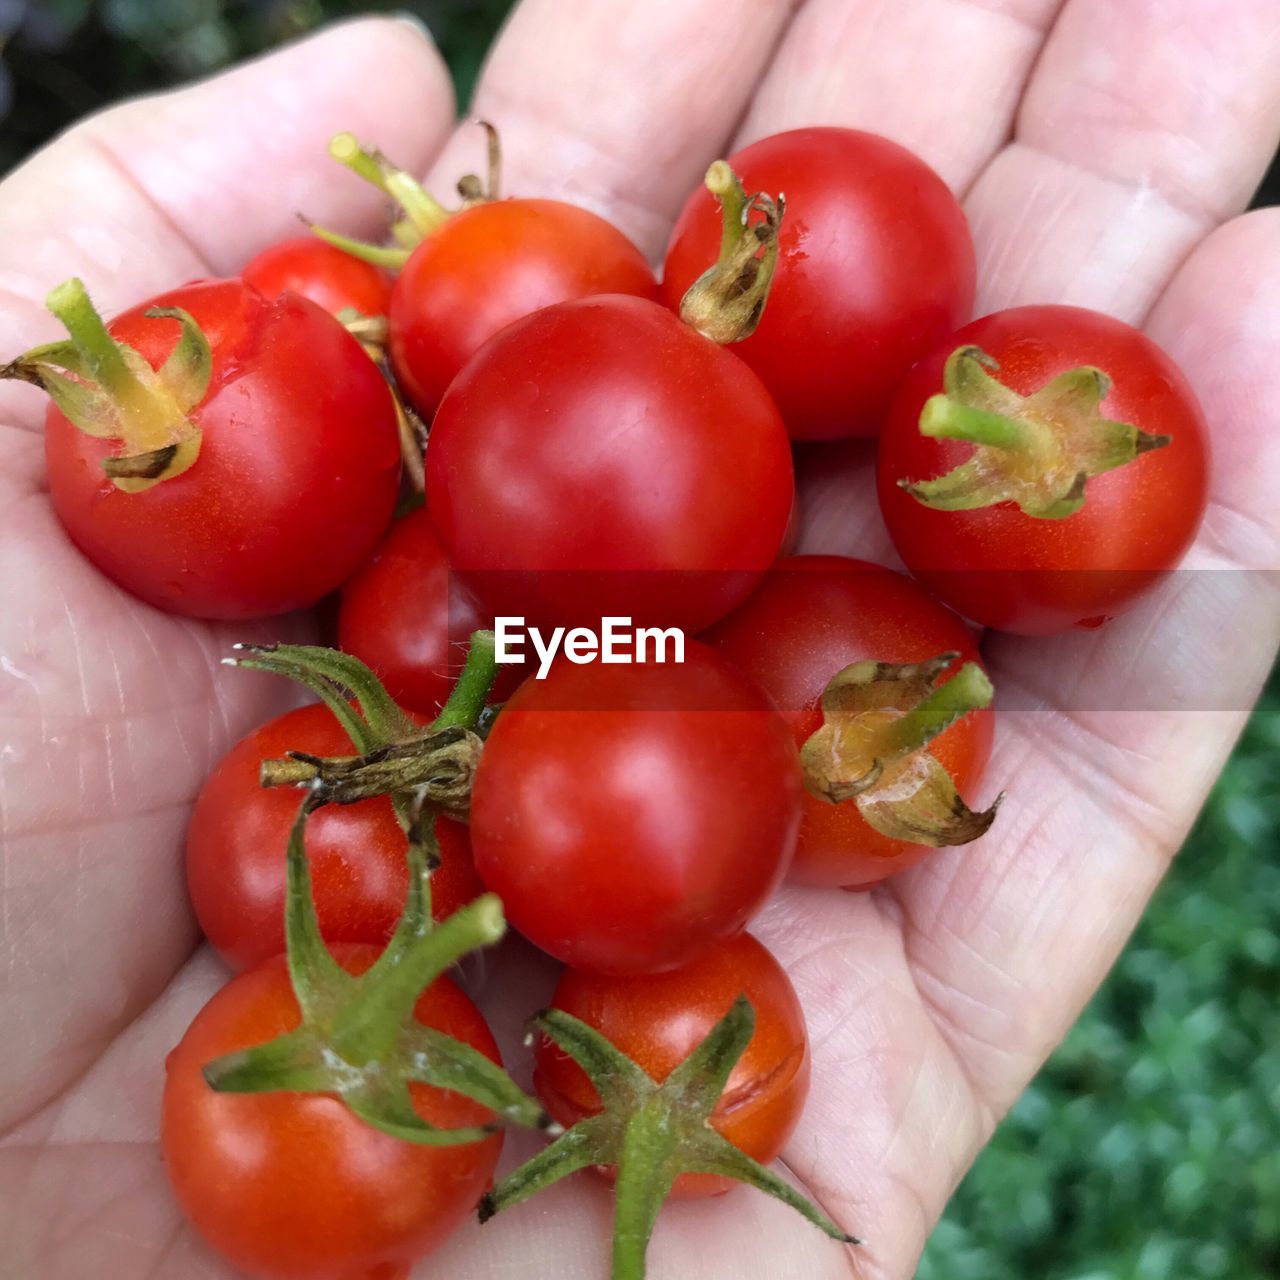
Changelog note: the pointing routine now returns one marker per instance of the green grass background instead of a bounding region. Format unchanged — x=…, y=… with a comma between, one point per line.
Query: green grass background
x=1149, y=1147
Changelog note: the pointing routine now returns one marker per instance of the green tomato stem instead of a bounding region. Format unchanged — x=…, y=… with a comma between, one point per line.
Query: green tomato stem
x=422, y=209
x=318, y=980
x=102, y=358
x=968, y=690
x=467, y=699
x=385, y=256
x=727, y=188
x=947, y=418
x=646, y=1174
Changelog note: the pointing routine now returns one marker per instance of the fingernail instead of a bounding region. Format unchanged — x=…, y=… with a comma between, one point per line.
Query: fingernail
x=416, y=22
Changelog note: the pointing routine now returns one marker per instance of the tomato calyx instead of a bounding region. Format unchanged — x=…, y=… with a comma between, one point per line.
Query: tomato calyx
x=106, y=389
x=1037, y=451
x=417, y=767
x=726, y=302
x=421, y=212
x=872, y=748
x=358, y=1038
x=650, y=1132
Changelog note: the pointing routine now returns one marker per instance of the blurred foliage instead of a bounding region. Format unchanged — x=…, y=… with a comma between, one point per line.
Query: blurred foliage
x=63, y=58
x=1149, y=1147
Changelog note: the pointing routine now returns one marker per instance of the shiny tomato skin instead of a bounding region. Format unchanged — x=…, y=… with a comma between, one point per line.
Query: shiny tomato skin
x=322, y=272
x=297, y=474
x=406, y=615
x=601, y=458
x=657, y=1020
x=492, y=264
x=631, y=816
x=292, y=1186
x=811, y=617
x=876, y=263
x=1039, y=577
x=239, y=832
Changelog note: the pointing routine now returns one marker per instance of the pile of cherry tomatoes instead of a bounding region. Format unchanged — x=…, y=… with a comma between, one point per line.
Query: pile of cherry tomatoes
x=598, y=443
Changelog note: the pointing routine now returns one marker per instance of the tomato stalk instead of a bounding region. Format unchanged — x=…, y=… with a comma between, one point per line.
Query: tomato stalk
x=726, y=302
x=423, y=213
x=418, y=767
x=1037, y=450
x=106, y=389
x=650, y=1132
x=968, y=690
x=372, y=333
x=872, y=748
x=466, y=701
x=358, y=1038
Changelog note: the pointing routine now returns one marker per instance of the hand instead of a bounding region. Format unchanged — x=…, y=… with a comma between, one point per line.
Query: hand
x=1104, y=151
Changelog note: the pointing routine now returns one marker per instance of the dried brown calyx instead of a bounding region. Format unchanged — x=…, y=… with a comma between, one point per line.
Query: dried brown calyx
x=873, y=748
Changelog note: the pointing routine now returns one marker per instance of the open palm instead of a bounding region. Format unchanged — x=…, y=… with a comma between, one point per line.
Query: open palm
x=1104, y=152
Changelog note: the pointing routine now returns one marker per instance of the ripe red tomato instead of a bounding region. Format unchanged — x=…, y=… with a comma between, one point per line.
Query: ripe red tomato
x=322, y=272
x=295, y=480
x=600, y=458
x=1035, y=576
x=875, y=264
x=811, y=617
x=407, y=616
x=494, y=263
x=657, y=1020
x=293, y=1186
x=357, y=853
x=631, y=816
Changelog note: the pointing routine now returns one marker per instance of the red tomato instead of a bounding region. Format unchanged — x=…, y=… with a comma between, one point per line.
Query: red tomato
x=657, y=1020
x=810, y=618
x=357, y=853
x=600, y=458
x=322, y=272
x=492, y=264
x=296, y=477
x=407, y=616
x=1040, y=576
x=875, y=264
x=631, y=816
x=293, y=1186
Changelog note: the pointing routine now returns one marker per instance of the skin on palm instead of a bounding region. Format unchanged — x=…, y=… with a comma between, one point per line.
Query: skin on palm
x=930, y=1001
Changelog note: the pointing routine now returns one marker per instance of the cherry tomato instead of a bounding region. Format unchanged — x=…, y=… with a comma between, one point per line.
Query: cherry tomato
x=657, y=1020
x=295, y=480
x=359, y=876
x=332, y=279
x=407, y=615
x=600, y=458
x=293, y=1186
x=811, y=617
x=1009, y=570
x=875, y=264
x=492, y=264
x=630, y=816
